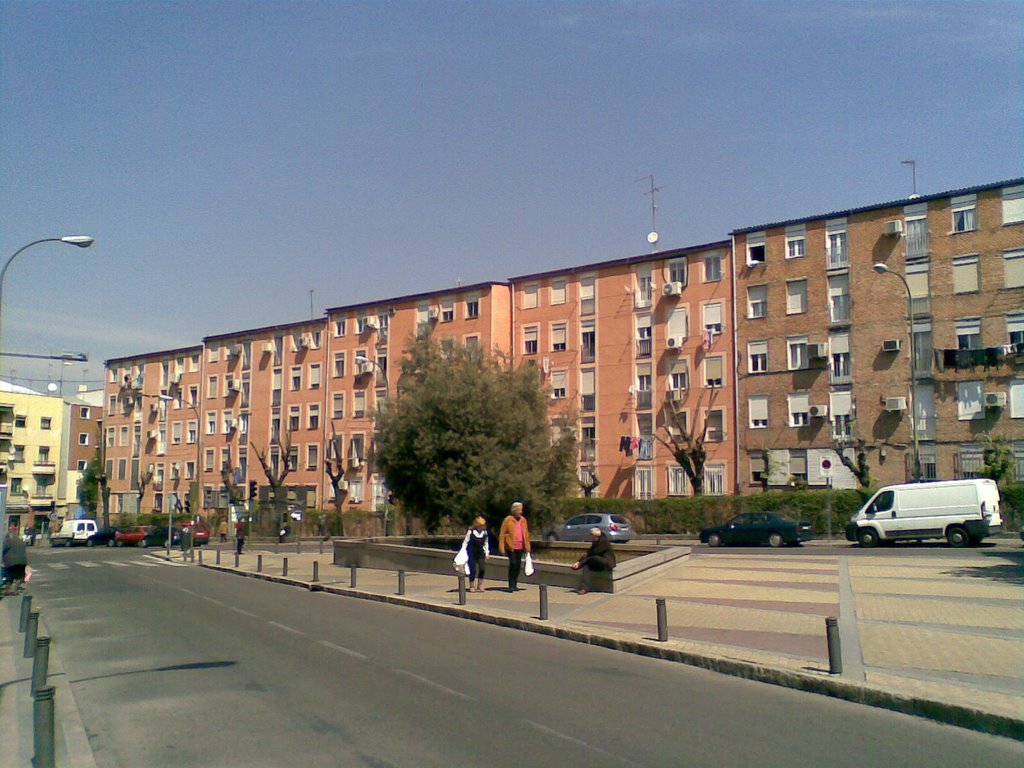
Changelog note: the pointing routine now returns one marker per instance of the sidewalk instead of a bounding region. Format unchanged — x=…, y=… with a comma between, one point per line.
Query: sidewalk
x=939, y=637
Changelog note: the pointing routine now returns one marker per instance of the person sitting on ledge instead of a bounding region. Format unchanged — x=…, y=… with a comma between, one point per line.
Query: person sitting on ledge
x=599, y=557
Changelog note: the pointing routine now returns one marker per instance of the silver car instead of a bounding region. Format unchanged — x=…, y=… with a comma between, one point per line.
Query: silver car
x=577, y=528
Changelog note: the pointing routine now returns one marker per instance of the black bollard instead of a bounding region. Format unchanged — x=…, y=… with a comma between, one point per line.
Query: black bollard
x=284, y=567
x=218, y=557
x=401, y=582
x=26, y=606
x=321, y=546
x=543, y=602
x=462, y=589
x=42, y=725
x=41, y=663
x=31, y=627
x=662, y=620
x=236, y=559
x=835, y=652
x=200, y=557
x=352, y=576
x=259, y=563
x=316, y=570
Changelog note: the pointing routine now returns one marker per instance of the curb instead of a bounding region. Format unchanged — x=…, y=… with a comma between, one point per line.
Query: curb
x=858, y=693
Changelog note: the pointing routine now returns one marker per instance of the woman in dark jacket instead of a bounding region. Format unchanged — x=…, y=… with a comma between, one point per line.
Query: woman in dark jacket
x=599, y=557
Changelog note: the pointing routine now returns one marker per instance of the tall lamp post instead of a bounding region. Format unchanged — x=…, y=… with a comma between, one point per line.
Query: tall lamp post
x=82, y=241
x=915, y=471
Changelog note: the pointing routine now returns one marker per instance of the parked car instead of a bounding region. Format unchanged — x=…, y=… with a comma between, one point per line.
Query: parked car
x=104, y=537
x=156, y=536
x=577, y=528
x=200, y=534
x=131, y=535
x=73, y=532
x=759, y=528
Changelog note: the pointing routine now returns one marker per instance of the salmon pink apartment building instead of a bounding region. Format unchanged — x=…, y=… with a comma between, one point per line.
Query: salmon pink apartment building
x=784, y=348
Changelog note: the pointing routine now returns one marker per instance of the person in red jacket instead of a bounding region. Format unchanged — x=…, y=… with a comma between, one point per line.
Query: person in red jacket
x=514, y=542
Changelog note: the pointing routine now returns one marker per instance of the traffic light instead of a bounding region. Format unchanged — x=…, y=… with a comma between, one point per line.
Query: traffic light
x=188, y=506
x=252, y=489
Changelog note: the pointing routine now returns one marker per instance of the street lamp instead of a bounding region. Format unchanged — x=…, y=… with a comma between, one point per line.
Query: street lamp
x=81, y=241
x=883, y=269
x=195, y=479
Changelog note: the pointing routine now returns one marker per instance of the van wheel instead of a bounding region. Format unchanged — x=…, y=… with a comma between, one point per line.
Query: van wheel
x=775, y=539
x=90, y=543
x=715, y=540
x=867, y=538
x=957, y=536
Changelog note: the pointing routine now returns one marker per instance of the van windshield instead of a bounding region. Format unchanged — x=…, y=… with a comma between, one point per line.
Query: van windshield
x=882, y=502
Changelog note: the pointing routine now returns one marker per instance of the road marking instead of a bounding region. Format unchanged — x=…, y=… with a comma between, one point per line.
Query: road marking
x=211, y=600
x=432, y=684
x=118, y=564
x=577, y=742
x=245, y=613
x=286, y=628
x=59, y=566
x=89, y=565
x=188, y=592
x=343, y=649
x=145, y=564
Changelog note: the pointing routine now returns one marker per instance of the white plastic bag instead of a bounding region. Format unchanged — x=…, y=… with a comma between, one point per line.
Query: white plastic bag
x=528, y=565
x=461, y=562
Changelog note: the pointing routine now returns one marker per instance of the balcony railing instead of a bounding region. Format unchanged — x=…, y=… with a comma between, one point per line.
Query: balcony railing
x=587, y=354
x=643, y=298
x=839, y=309
x=917, y=245
x=921, y=306
x=836, y=258
x=7, y=429
x=588, y=452
x=44, y=468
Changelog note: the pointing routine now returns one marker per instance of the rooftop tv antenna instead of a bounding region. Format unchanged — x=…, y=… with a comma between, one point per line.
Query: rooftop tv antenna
x=652, y=236
x=913, y=172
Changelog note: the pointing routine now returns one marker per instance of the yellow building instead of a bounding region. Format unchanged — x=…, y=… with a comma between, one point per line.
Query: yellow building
x=31, y=440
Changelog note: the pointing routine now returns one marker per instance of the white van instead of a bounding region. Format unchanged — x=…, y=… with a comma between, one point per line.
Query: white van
x=961, y=511
x=73, y=532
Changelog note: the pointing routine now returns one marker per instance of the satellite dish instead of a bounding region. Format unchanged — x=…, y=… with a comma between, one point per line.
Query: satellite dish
x=51, y=387
x=652, y=237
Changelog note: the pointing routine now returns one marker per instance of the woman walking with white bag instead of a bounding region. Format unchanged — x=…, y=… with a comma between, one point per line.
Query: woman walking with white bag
x=476, y=547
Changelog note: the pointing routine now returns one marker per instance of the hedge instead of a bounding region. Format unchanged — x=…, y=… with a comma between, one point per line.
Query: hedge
x=687, y=515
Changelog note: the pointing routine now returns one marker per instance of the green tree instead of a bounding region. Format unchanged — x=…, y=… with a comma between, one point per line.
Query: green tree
x=468, y=434
x=997, y=458
x=89, y=485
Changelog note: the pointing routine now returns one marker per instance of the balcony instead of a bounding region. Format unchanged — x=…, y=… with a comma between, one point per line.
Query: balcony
x=917, y=246
x=6, y=429
x=44, y=468
x=836, y=258
x=643, y=298
x=839, y=309
x=588, y=452
x=643, y=347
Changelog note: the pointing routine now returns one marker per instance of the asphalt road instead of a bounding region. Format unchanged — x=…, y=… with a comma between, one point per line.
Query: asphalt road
x=181, y=666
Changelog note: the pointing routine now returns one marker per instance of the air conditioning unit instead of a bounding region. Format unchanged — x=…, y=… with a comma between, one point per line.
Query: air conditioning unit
x=818, y=411
x=672, y=289
x=343, y=485
x=268, y=347
x=895, y=404
x=674, y=395
x=235, y=351
x=302, y=343
x=891, y=345
x=235, y=385
x=154, y=407
x=817, y=351
x=675, y=342
x=995, y=399
x=229, y=424
x=364, y=368
x=434, y=313
x=370, y=324
x=151, y=434
x=175, y=378
x=355, y=462
x=893, y=228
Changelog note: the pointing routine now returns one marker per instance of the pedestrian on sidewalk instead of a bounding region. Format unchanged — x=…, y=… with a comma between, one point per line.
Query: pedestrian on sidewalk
x=223, y=530
x=514, y=542
x=186, y=542
x=478, y=550
x=14, y=561
x=239, y=536
x=599, y=557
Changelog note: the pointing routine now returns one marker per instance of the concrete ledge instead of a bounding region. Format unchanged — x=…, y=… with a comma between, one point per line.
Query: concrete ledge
x=859, y=693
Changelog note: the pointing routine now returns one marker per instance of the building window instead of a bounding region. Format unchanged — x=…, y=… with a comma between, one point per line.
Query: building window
x=211, y=423
x=339, y=327
x=714, y=479
x=312, y=456
x=83, y=438
x=313, y=415
x=756, y=249
x=757, y=301
x=530, y=341
x=678, y=482
x=558, y=291
x=587, y=296
x=588, y=398
x=293, y=418
x=1017, y=399
x=680, y=375
x=558, y=337
x=358, y=405
x=715, y=422
x=530, y=296
x=588, y=342
x=965, y=213
x=966, y=278
x=644, y=342
x=713, y=371
x=796, y=297
x=757, y=357
x=1013, y=269
x=799, y=409
x=968, y=333
x=643, y=482
x=916, y=239
x=797, y=352
x=798, y=465
x=295, y=380
x=969, y=405
x=712, y=267
x=758, y=408
x=558, y=384
x=677, y=271
x=758, y=472
x=839, y=348
x=447, y=311
x=1013, y=205
x=713, y=318
x=338, y=407
x=314, y=376
x=795, y=241
x=645, y=288
x=1015, y=331
x=472, y=308
x=835, y=244
x=45, y=422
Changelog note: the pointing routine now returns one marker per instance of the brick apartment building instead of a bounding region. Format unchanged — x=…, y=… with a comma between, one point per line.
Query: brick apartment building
x=823, y=338
x=783, y=342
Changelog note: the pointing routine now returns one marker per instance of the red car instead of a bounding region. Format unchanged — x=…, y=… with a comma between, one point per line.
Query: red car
x=200, y=533
x=130, y=535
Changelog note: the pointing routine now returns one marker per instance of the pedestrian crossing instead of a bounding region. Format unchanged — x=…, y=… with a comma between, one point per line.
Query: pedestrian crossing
x=43, y=567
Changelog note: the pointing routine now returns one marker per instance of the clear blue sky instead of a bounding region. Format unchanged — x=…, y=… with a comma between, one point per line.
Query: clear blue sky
x=229, y=157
